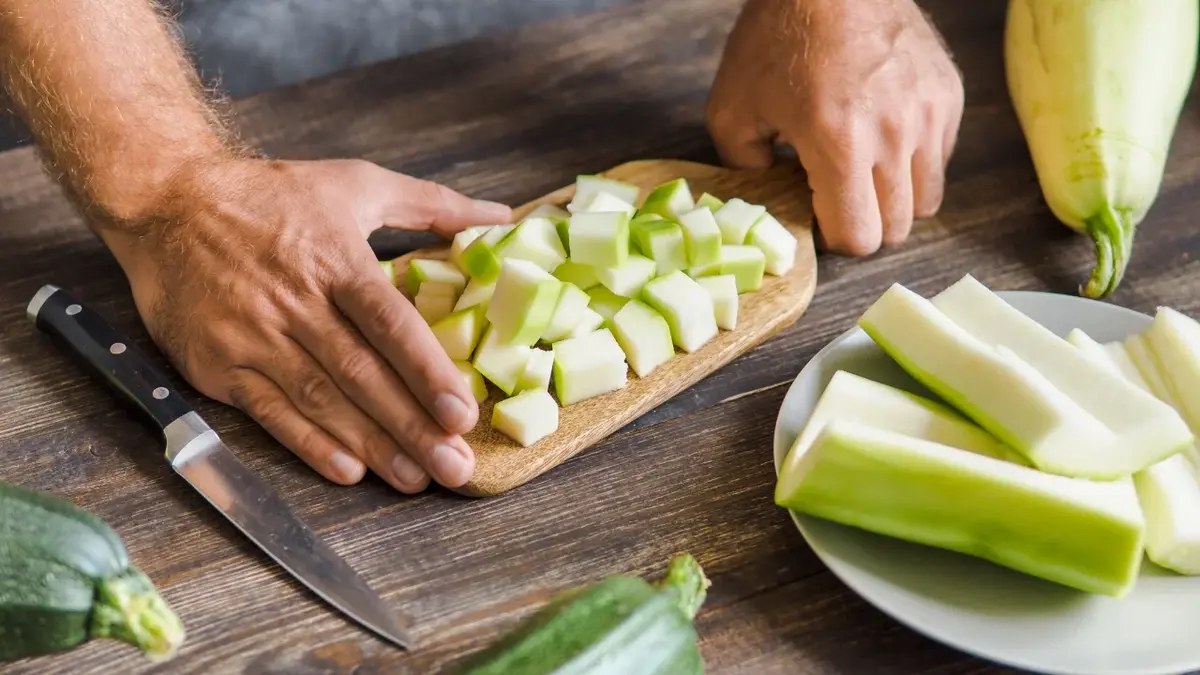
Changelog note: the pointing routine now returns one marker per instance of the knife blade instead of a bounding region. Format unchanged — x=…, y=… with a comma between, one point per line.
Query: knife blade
x=197, y=454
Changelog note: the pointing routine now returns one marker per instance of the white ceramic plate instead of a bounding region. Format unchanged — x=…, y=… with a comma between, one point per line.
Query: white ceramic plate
x=979, y=607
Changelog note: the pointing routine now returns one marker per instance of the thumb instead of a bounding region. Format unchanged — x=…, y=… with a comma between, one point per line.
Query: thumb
x=413, y=204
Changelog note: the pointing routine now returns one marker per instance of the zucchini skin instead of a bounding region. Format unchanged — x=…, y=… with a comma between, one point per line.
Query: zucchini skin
x=620, y=625
x=66, y=578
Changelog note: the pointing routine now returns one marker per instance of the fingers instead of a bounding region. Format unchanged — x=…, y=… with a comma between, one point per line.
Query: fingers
x=740, y=141
x=845, y=203
x=893, y=186
x=264, y=401
x=381, y=390
x=318, y=398
x=393, y=327
x=928, y=179
x=413, y=204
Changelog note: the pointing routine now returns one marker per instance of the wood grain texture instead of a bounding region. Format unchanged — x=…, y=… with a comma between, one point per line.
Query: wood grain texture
x=511, y=118
x=502, y=464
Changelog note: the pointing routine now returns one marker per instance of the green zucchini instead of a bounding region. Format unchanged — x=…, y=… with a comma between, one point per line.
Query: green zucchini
x=66, y=578
x=621, y=625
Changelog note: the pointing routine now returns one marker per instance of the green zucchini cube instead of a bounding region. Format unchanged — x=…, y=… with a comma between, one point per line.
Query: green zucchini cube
x=777, y=244
x=479, y=258
x=628, y=279
x=644, y=336
x=701, y=236
x=735, y=220
x=599, y=239
x=746, y=264
x=459, y=332
x=421, y=270
x=527, y=417
x=523, y=302
x=686, y=306
x=502, y=364
x=724, y=293
x=669, y=200
x=588, y=366
x=535, y=240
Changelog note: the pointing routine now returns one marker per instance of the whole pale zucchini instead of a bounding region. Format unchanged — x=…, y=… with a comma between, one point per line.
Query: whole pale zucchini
x=1098, y=87
x=621, y=625
x=65, y=579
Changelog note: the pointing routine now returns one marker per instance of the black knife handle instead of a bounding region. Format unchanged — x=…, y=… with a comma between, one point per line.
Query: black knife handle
x=112, y=356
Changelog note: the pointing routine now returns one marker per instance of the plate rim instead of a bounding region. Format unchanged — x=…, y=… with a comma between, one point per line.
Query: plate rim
x=918, y=625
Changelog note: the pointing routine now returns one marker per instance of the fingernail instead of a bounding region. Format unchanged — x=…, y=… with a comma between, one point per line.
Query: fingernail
x=451, y=465
x=495, y=210
x=407, y=471
x=452, y=413
x=347, y=467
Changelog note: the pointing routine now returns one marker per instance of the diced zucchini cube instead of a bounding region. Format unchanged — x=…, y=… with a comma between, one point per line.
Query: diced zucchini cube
x=421, y=270
x=435, y=300
x=551, y=211
x=644, y=336
x=746, y=263
x=537, y=371
x=586, y=187
x=535, y=240
x=604, y=302
x=477, y=293
x=669, y=200
x=723, y=291
x=502, y=364
x=583, y=276
x=662, y=241
x=527, y=417
x=701, y=236
x=686, y=306
x=523, y=302
x=776, y=242
x=459, y=332
x=709, y=270
x=389, y=270
x=462, y=240
x=735, y=220
x=628, y=279
x=587, y=366
x=604, y=202
x=709, y=201
x=474, y=380
x=592, y=321
x=480, y=259
x=568, y=313
x=599, y=239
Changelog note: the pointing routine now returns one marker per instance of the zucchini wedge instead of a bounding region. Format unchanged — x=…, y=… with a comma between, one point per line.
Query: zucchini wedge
x=66, y=579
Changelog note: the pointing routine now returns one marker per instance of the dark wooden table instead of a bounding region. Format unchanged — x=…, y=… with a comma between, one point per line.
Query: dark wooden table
x=510, y=118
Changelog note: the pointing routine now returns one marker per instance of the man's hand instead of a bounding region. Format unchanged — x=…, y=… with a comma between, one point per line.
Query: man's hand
x=254, y=276
x=864, y=91
x=258, y=283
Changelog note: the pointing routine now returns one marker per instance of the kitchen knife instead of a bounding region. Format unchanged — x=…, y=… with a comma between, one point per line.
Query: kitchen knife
x=196, y=453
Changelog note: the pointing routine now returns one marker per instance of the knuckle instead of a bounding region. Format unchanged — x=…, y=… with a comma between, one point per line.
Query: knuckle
x=357, y=365
x=314, y=391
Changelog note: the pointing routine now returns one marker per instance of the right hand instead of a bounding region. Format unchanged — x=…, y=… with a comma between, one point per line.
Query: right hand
x=256, y=280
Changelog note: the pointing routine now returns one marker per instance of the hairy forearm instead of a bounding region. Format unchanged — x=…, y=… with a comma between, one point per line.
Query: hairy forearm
x=110, y=98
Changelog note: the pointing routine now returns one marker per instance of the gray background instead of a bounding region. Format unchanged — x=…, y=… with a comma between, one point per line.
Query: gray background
x=247, y=46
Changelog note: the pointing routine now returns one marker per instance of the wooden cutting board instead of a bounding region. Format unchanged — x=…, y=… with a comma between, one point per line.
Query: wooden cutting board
x=501, y=464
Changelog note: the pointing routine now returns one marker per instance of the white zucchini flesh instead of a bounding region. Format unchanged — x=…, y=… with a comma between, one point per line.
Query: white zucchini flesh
x=992, y=386
x=527, y=417
x=1147, y=429
x=1168, y=491
x=853, y=398
x=1084, y=534
x=587, y=366
x=644, y=336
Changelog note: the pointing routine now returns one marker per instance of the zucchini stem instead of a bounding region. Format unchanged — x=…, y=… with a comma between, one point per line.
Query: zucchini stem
x=687, y=580
x=129, y=608
x=1112, y=232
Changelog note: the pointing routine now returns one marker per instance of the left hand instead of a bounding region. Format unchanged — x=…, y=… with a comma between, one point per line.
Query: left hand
x=864, y=91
